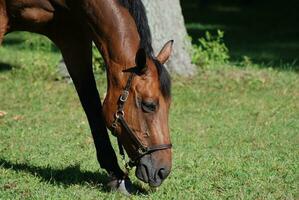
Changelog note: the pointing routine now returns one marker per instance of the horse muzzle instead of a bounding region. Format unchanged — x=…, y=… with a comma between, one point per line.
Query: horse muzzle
x=151, y=171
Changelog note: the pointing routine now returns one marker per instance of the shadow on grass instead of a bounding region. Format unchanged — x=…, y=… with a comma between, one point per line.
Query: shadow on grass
x=68, y=176
x=13, y=41
x=265, y=31
x=5, y=67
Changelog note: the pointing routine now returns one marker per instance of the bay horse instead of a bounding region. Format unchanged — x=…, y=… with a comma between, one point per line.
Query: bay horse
x=136, y=107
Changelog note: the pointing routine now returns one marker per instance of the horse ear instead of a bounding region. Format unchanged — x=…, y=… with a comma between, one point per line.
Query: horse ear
x=140, y=61
x=165, y=53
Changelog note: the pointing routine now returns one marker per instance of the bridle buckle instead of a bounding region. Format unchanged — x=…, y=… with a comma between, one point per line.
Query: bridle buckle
x=119, y=113
x=124, y=96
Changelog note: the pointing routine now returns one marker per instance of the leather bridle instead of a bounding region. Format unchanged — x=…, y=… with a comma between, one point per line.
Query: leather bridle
x=142, y=150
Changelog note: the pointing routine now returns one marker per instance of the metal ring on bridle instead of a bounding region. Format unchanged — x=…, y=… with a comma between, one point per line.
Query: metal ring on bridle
x=124, y=96
x=119, y=113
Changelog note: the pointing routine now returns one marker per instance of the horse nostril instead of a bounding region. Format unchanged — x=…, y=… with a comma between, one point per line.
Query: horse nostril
x=142, y=173
x=162, y=173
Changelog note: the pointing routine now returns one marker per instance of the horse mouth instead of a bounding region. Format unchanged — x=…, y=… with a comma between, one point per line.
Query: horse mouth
x=154, y=176
x=143, y=174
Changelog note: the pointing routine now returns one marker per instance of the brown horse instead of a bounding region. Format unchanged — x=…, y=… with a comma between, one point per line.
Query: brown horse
x=137, y=104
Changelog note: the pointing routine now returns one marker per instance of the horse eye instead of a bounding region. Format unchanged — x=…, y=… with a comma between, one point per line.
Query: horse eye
x=149, y=107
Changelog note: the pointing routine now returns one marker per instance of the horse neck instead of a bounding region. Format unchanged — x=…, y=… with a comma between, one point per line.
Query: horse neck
x=115, y=35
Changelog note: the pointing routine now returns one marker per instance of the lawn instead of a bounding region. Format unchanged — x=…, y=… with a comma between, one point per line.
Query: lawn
x=234, y=130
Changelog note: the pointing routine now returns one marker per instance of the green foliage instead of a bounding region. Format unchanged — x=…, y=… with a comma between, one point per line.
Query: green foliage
x=273, y=48
x=246, y=62
x=97, y=60
x=210, y=50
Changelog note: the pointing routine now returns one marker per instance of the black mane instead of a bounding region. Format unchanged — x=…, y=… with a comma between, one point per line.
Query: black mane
x=137, y=10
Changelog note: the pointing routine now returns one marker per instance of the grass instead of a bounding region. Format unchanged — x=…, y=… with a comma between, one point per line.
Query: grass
x=234, y=130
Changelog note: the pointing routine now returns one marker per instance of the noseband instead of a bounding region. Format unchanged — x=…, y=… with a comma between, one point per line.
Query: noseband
x=142, y=150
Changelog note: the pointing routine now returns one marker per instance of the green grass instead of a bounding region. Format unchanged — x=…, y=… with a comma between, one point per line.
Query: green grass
x=234, y=130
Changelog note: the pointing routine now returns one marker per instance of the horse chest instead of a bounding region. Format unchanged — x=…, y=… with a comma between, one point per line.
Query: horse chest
x=32, y=12
x=36, y=15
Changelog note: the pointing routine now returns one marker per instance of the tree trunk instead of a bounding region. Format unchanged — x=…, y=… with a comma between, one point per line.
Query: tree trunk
x=166, y=22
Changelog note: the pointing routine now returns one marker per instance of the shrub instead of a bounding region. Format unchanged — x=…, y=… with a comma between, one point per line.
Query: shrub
x=210, y=50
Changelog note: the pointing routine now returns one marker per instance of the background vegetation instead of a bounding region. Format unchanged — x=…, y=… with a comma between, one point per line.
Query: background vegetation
x=234, y=126
x=264, y=31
